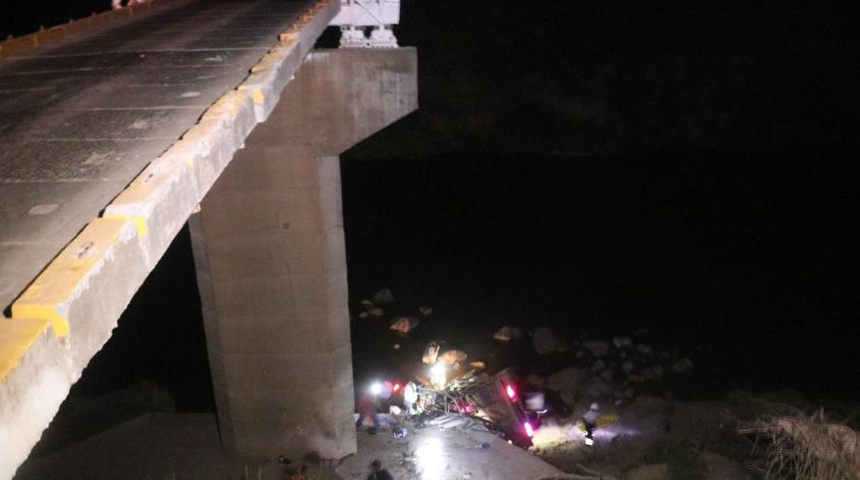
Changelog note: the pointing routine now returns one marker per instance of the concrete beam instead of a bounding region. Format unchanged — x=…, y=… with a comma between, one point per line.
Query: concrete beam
x=271, y=258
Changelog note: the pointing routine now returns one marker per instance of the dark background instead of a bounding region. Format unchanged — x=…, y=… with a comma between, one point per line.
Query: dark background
x=686, y=169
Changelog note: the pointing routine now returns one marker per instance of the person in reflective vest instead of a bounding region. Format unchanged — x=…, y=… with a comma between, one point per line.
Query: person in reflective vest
x=410, y=396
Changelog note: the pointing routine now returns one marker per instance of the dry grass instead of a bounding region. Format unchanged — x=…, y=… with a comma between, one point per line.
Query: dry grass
x=803, y=446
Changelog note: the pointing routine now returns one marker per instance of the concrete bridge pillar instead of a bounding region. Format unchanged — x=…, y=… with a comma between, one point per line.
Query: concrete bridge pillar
x=271, y=260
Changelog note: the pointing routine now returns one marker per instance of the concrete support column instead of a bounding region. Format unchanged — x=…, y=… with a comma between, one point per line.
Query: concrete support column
x=270, y=255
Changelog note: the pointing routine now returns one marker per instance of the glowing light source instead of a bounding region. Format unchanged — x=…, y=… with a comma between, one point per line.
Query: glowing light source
x=530, y=431
x=437, y=375
x=510, y=391
x=376, y=388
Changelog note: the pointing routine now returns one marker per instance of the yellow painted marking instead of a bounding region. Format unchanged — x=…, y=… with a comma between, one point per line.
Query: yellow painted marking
x=16, y=337
x=257, y=95
x=139, y=222
x=68, y=273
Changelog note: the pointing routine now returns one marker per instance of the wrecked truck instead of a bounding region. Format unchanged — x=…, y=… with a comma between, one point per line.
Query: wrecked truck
x=492, y=399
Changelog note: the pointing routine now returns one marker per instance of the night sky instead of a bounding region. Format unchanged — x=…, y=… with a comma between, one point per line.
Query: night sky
x=686, y=170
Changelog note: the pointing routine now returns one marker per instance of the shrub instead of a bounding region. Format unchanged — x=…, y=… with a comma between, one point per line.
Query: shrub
x=801, y=446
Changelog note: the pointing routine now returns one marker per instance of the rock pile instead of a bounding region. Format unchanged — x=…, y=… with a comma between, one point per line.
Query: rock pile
x=613, y=370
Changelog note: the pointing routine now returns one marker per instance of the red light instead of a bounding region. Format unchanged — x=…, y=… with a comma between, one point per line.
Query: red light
x=529, y=430
x=396, y=387
x=511, y=392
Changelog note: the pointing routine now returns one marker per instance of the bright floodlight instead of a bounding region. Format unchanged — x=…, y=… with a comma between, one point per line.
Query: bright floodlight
x=376, y=388
x=437, y=375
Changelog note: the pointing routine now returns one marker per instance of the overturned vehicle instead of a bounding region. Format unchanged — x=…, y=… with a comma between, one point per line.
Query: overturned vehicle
x=492, y=399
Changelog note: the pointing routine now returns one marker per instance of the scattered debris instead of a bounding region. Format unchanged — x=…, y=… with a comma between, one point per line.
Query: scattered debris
x=425, y=310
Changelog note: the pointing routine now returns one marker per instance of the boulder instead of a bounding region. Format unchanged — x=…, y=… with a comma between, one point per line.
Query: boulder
x=682, y=366
x=597, y=387
x=568, y=383
x=383, y=297
x=404, y=324
x=645, y=349
x=431, y=353
x=597, y=348
x=545, y=342
x=503, y=334
x=452, y=357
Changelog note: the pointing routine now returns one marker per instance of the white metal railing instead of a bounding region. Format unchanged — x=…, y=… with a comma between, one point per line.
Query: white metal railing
x=367, y=23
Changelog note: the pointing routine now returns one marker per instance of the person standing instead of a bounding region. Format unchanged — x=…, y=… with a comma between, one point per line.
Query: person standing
x=410, y=396
x=589, y=421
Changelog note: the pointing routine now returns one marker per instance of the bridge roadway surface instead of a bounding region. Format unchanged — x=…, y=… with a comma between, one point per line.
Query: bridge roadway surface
x=112, y=129
x=79, y=121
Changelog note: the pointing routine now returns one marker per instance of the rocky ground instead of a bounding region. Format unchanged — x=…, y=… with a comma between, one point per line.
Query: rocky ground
x=135, y=434
x=701, y=443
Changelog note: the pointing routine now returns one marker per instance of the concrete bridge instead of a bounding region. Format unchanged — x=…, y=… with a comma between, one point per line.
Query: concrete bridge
x=117, y=130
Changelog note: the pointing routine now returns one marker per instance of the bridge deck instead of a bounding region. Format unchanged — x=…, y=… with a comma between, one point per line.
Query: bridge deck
x=80, y=120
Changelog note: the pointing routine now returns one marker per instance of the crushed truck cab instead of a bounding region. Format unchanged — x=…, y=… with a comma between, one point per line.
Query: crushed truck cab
x=494, y=399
